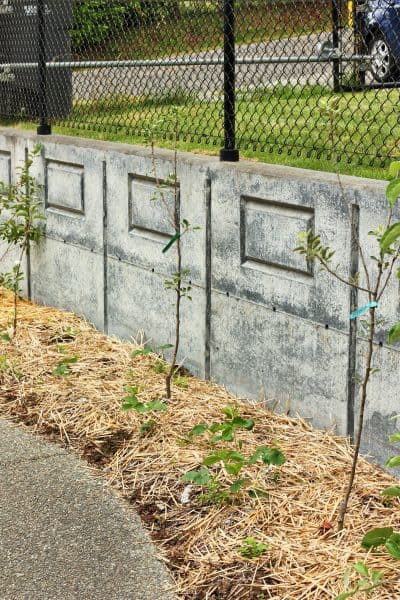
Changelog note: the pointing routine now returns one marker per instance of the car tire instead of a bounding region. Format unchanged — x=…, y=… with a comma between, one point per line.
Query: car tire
x=383, y=66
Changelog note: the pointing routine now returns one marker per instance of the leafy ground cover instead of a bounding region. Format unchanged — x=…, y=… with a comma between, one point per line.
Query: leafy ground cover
x=63, y=379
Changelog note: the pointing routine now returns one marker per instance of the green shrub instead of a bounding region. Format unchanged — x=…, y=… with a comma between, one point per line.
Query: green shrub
x=95, y=21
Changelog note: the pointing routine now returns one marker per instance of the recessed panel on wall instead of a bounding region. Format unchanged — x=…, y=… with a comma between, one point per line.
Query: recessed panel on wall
x=269, y=232
x=151, y=207
x=5, y=167
x=256, y=220
x=74, y=195
x=64, y=186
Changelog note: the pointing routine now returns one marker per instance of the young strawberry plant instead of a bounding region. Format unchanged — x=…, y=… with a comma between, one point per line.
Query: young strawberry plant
x=251, y=548
x=21, y=224
x=367, y=581
x=63, y=366
x=224, y=470
x=132, y=402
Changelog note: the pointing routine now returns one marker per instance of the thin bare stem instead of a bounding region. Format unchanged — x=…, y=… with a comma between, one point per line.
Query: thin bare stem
x=389, y=275
x=16, y=290
x=178, y=288
x=342, y=279
x=344, y=504
x=7, y=250
x=171, y=216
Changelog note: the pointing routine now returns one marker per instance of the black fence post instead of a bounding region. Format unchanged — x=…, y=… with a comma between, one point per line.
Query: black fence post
x=229, y=152
x=336, y=21
x=44, y=127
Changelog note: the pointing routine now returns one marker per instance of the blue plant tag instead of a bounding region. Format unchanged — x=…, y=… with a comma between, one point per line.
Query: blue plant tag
x=363, y=309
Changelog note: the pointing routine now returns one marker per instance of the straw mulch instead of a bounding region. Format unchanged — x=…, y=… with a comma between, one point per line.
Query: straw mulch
x=306, y=559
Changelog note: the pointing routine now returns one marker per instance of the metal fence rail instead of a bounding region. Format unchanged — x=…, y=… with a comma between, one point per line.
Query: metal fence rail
x=251, y=74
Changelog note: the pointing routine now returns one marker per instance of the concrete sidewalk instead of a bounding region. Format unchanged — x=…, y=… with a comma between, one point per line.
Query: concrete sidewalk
x=62, y=535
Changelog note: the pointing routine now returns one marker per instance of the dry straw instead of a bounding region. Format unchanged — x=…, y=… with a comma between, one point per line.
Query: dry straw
x=306, y=559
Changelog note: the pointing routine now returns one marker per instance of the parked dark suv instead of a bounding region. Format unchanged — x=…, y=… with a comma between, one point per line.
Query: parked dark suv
x=379, y=25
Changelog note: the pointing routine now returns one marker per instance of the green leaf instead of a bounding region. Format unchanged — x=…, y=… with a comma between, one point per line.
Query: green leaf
x=376, y=576
x=251, y=548
x=394, y=168
x=394, y=333
x=227, y=434
x=247, y=424
x=132, y=389
x=392, y=492
x=236, y=485
x=142, y=408
x=395, y=437
x=274, y=457
x=257, y=454
x=128, y=405
x=393, y=192
x=233, y=461
x=70, y=360
x=198, y=430
x=147, y=426
x=269, y=456
x=233, y=468
x=229, y=411
x=141, y=352
x=157, y=405
x=181, y=382
x=5, y=337
x=200, y=477
x=392, y=545
x=165, y=347
x=376, y=537
x=390, y=236
x=257, y=493
x=394, y=461
x=345, y=595
x=212, y=459
x=61, y=370
x=361, y=568
x=216, y=427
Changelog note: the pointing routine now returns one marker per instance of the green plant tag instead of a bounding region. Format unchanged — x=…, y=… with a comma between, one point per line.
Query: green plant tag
x=363, y=309
x=171, y=242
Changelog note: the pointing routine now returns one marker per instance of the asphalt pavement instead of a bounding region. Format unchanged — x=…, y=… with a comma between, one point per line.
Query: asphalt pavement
x=63, y=535
x=206, y=81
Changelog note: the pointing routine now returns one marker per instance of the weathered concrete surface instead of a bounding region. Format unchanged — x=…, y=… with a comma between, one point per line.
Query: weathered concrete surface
x=262, y=321
x=63, y=535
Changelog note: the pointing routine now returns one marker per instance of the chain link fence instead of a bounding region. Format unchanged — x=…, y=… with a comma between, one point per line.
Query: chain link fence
x=310, y=78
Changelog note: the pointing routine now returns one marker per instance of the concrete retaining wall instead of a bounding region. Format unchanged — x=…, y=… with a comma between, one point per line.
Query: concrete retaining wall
x=262, y=321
